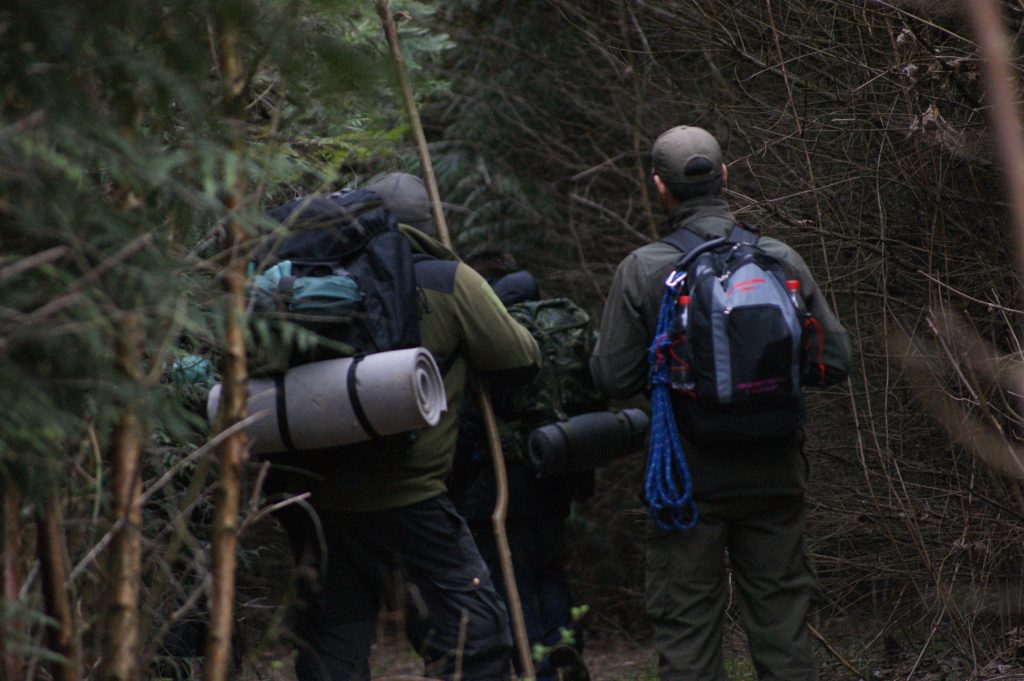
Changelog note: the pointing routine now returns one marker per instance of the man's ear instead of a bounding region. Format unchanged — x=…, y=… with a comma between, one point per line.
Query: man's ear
x=665, y=197
x=659, y=184
x=725, y=175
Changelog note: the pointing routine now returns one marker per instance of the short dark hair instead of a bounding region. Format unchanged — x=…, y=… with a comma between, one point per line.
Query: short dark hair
x=491, y=262
x=691, y=190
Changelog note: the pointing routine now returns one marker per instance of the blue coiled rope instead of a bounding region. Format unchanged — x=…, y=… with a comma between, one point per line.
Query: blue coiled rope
x=668, y=487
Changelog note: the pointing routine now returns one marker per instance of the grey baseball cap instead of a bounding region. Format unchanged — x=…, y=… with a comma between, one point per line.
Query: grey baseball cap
x=406, y=197
x=686, y=154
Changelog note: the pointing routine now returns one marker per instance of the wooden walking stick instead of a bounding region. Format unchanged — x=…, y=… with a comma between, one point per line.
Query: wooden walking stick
x=490, y=424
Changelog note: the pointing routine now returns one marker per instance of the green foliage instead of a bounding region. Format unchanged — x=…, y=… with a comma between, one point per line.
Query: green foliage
x=117, y=149
x=122, y=151
x=340, y=134
x=567, y=634
x=499, y=162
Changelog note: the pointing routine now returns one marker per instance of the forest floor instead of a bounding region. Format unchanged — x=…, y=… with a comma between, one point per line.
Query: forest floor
x=610, y=661
x=617, y=659
x=606, y=661
x=618, y=648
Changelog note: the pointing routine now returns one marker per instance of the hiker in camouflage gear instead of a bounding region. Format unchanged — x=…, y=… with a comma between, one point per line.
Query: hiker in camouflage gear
x=537, y=507
x=564, y=386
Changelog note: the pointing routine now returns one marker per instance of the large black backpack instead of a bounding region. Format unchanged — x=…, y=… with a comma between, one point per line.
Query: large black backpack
x=739, y=339
x=339, y=284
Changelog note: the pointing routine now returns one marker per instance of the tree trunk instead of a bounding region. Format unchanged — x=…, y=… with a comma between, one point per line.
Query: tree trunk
x=120, y=651
x=11, y=630
x=54, y=570
x=231, y=453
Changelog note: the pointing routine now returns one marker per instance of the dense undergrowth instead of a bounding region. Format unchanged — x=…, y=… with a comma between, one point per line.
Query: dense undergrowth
x=856, y=131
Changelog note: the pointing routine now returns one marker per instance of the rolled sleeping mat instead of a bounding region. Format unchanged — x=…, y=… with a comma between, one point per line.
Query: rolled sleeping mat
x=342, y=401
x=587, y=441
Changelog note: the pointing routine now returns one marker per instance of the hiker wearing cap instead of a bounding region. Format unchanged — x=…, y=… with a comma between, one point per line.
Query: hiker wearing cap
x=748, y=495
x=385, y=531
x=406, y=197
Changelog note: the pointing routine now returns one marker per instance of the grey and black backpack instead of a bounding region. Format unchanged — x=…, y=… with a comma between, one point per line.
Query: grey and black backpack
x=741, y=343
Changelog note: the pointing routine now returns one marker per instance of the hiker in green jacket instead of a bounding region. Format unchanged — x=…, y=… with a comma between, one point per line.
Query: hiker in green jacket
x=749, y=496
x=384, y=518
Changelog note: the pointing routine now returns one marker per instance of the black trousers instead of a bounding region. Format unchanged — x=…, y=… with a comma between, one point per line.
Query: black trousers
x=537, y=547
x=423, y=557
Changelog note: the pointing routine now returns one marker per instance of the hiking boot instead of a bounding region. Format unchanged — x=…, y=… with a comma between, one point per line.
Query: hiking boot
x=568, y=664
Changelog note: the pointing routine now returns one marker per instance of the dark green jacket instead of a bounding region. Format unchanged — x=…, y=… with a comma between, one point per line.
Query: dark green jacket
x=467, y=328
x=619, y=364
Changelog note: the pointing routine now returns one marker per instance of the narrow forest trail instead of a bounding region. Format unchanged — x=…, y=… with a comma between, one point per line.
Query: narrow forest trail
x=607, y=660
x=623, y=659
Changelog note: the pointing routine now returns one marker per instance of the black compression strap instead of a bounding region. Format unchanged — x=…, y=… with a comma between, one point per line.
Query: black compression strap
x=353, y=397
x=282, y=414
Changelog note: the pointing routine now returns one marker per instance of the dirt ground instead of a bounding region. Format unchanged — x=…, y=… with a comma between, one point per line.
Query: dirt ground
x=613, y=654
x=618, y=660
x=607, y=661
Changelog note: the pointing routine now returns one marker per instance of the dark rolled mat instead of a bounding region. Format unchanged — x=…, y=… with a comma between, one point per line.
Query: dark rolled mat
x=587, y=441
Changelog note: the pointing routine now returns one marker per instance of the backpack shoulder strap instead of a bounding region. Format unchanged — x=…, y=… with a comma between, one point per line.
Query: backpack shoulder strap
x=438, y=275
x=433, y=273
x=683, y=240
x=744, y=234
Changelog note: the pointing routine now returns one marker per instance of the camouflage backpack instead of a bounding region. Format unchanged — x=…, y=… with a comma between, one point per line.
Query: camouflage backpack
x=563, y=387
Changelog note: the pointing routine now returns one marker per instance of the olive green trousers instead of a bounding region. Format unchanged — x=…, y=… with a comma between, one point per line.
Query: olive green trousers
x=687, y=589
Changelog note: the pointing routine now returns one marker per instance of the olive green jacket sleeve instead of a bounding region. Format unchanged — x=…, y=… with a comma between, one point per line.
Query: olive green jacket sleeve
x=465, y=326
x=836, y=343
x=472, y=322
x=491, y=341
x=619, y=364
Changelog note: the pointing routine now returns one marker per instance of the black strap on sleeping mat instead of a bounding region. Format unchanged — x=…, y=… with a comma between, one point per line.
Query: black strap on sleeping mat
x=282, y=414
x=353, y=397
